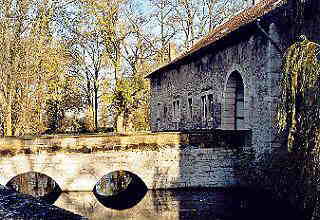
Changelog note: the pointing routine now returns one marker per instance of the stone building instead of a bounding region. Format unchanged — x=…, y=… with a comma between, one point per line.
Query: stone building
x=229, y=80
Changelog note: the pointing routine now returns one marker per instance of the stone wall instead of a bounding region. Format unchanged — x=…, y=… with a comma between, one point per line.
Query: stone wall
x=146, y=141
x=205, y=74
x=165, y=168
x=91, y=141
x=208, y=76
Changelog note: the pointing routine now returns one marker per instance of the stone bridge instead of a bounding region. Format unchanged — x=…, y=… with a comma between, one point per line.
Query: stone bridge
x=171, y=166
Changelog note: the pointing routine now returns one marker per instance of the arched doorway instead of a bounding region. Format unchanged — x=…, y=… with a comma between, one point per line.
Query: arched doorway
x=234, y=103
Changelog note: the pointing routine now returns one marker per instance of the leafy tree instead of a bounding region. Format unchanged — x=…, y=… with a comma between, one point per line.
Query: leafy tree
x=126, y=99
x=63, y=96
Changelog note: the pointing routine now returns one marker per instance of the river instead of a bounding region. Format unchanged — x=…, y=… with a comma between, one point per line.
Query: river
x=123, y=195
x=182, y=204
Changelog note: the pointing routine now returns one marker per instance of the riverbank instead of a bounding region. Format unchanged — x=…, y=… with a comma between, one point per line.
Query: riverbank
x=16, y=206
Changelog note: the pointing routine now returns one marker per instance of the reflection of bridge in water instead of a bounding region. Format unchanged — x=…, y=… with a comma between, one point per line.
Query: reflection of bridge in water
x=184, y=204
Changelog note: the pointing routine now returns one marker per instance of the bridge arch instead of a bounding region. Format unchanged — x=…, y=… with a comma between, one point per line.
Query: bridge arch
x=120, y=189
x=36, y=184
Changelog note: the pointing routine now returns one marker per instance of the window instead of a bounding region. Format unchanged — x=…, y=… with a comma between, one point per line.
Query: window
x=204, y=107
x=176, y=110
x=178, y=107
x=190, y=107
x=216, y=115
x=158, y=112
x=210, y=106
x=158, y=124
x=157, y=83
x=165, y=112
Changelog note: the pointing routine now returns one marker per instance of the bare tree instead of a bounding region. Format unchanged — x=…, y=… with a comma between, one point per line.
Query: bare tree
x=30, y=60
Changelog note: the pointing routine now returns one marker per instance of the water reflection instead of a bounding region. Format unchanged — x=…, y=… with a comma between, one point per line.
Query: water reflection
x=203, y=204
x=120, y=190
x=36, y=184
x=123, y=195
x=85, y=203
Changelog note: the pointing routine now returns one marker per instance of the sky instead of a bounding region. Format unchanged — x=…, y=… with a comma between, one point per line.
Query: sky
x=142, y=6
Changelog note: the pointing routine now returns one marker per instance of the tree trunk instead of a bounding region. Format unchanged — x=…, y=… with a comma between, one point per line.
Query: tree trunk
x=95, y=110
x=120, y=123
x=8, y=130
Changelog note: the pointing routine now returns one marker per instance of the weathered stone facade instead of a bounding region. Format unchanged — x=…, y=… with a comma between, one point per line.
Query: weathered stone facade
x=231, y=83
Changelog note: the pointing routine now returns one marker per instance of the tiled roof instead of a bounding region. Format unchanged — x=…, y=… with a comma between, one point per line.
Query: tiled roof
x=245, y=17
